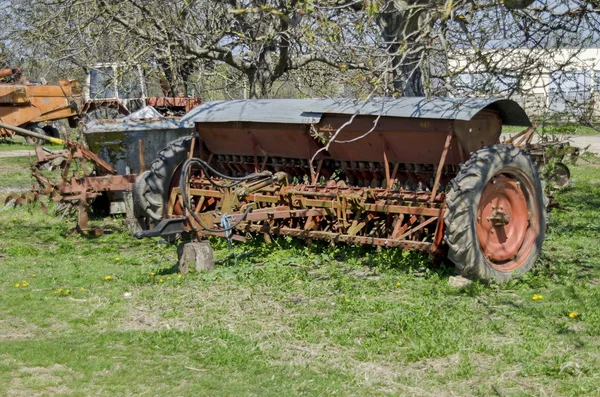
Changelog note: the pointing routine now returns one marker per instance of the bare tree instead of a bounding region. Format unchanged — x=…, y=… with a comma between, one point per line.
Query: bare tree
x=378, y=47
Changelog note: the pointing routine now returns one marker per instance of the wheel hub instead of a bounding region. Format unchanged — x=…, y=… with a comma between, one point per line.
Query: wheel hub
x=502, y=222
x=499, y=218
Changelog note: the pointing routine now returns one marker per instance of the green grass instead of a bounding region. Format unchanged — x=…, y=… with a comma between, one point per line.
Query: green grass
x=18, y=143
x=294, y=320
x=555, y=129
x=15, y=173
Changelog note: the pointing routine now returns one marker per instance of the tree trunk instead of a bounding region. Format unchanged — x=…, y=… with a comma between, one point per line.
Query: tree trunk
x=251, y=76
x=399, y=24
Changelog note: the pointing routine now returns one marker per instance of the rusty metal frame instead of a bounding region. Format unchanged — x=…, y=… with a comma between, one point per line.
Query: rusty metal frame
x=80, y=191
x=344, y=210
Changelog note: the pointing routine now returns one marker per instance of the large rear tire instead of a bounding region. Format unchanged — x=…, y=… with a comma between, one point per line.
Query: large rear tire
x=33, y=140
x=496, y=215
x=151, y=189
x=52, y=131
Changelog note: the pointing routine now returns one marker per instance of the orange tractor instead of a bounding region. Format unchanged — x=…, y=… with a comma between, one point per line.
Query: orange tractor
x=118, y=87
x=34, y=106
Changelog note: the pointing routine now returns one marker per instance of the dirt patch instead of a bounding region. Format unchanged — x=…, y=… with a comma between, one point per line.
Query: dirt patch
x=17, y=153
x=15, y=328
x=142, y=318
x=592, y=143
x=8, y=190
x=12, y=328
x=40, y=381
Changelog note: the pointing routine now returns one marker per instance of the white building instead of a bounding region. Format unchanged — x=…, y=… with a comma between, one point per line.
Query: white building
x=556, y=81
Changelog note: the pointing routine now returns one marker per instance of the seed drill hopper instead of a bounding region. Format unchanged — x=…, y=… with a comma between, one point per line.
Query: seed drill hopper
x=410, y=173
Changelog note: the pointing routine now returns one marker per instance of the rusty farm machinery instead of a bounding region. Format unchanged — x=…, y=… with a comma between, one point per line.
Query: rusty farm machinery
x=411, y=173
x=110, y=88
x=34, y=106
x=101, y=172
x=78, y=187
x=549, y=154
x=114, y=150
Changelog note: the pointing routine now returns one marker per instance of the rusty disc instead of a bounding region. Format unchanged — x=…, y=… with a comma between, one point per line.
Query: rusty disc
x=504, y=226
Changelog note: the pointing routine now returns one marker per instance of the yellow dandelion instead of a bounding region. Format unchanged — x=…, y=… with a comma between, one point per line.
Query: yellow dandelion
x=81, y=289
x=168, y=278
x=17, y=285
x=152, y=273
x=117, y=258
x=58, y=291
x=108, y=278
x=574, y=315
x=398, y=284
x=347, y=300
x=537, y=297
x=68, y=291
x=179, y=276
x=14, y=219
x=25, y=283
x=161, y=280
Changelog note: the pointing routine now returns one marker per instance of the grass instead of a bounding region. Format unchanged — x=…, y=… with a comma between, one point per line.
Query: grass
x=555, y=129
x=18, y=143
x=15, y=173
x=289, y=319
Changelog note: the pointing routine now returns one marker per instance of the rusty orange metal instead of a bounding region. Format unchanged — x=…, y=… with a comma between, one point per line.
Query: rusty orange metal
x=381, y=181
x=23, y=104
x=504, y=230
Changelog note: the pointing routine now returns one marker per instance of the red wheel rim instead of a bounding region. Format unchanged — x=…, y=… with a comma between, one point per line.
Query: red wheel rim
x=506, y=221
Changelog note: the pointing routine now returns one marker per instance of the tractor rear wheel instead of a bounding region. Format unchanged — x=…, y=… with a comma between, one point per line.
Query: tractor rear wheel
x=52, y=131
x=496, y=215
x=152, y=188
x=33, y=140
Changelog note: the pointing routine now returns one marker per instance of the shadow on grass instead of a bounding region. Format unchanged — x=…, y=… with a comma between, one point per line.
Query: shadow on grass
x=10, y=142
x=284, y=251
x=579, y=203
x=585, y=196
x=167, y=271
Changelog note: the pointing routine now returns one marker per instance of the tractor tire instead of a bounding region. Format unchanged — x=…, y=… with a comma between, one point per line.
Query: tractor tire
x=32, y=140
x=496, y=215
x=52, y=131
x=151, y=189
